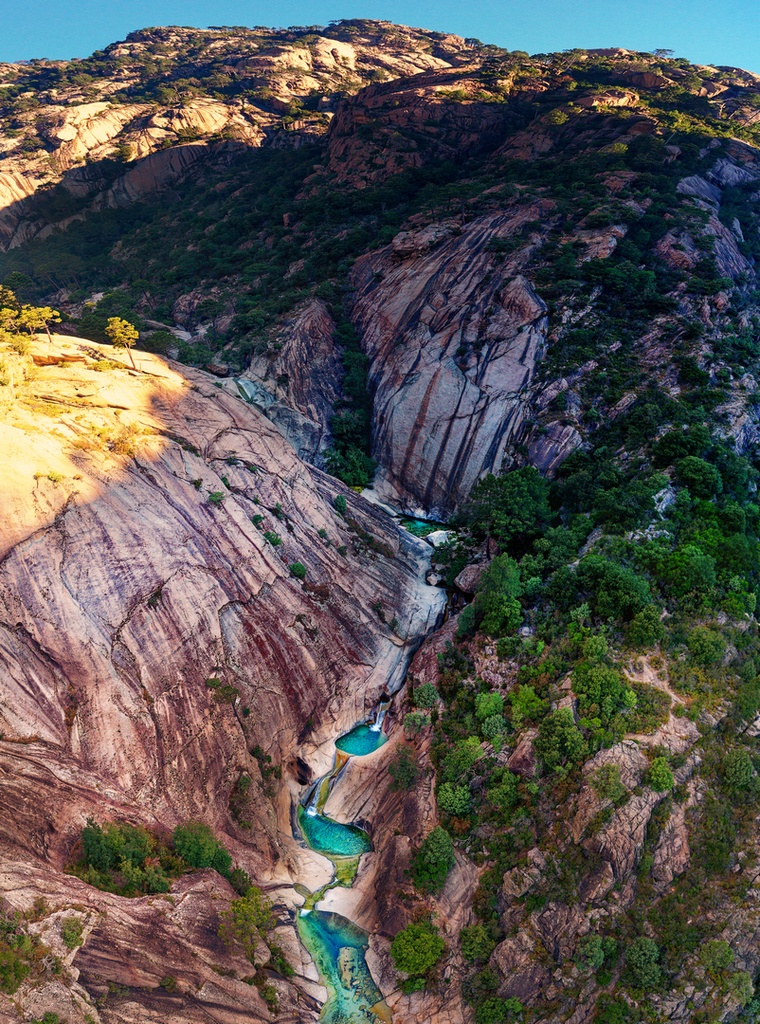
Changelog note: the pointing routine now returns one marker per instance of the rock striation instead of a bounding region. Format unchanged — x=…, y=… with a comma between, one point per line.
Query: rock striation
x=135, y=567
x=453, y=337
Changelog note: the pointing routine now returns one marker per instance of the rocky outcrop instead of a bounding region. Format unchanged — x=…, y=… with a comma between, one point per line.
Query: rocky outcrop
x=77, y=132
x=297, y=381
x=106, y=709
x=436, y=116
x=453, y=338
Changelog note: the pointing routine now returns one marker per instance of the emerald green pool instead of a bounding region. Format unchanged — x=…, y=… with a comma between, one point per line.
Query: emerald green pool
x=420, y=527
x=364, y=739
x=330, y=837
x=338, y=947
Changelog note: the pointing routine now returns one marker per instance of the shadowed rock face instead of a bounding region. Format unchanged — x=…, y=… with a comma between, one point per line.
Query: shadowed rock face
x=297, y=385
x=131, y=574
x=453, y=337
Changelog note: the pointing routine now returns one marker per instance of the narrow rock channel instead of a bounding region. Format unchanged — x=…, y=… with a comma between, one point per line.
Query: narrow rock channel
x=337, y=945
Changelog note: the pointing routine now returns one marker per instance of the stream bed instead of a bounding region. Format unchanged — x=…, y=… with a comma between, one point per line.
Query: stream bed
x=336, y=944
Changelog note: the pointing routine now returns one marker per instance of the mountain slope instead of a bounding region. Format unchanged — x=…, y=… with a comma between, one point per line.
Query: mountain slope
x=526, y=287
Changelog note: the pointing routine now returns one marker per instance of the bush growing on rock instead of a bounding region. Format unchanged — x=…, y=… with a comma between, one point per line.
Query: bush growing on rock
x=702, y=479
x=247, y=922
x=197, y=844
x=613, y=591
x=642, y=963
x=496, y=1010
x=460, y=759
x=415, y=722
x=560, y=744
x=476, y=943
x=425, y=696
x=660, y=776
x=454, y=799
x=645, y=630
x=487, y=705
x=433, y=861
x=738, y=772
x=403, y=769
x=527, y=706
x=706, y=646
x=417, y=948
x=298, y=570
x=71, y=932
x=496, y=606
x=513, y=509
x=716, y=955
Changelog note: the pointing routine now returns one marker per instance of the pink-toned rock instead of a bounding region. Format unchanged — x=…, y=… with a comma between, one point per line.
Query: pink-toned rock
x=672, y=853
x=523, y=972
x=424, y=664
x=468, y=579
x=132, y=574
x=522, y=760
x=453, y=336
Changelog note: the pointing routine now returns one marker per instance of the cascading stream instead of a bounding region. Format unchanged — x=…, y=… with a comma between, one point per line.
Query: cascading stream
x=336, y=944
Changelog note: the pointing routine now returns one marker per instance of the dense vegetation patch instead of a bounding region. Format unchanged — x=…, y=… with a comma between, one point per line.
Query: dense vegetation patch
x=132, y=861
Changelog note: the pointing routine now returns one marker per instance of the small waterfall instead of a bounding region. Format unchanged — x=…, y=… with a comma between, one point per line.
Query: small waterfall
x=380, y=714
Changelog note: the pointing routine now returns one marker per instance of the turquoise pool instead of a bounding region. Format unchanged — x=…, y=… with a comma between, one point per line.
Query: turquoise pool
x=364, y=739
x=338, y=947
x=330, y=837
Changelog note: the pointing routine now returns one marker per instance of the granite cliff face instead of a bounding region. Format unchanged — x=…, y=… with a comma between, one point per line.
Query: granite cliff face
x=453, y=340
x=132, y=573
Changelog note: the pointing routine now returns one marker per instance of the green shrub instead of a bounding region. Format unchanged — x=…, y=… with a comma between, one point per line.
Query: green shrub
x=476, y=943
x=613, y=591
x=659, y=776
x=560, y=742
x=606, y=782
x=460, y=759
x=417, y=948
x=196, y=844
x=513, y=509
x=737, y=771
x=642, y=963
x=425, y=696
x=496, y=1010
x=454, y=799
x=706, y=646
x=298, y=569
x=71, y=932
x=339, y=504
x=433, y=861
x=496, y=606
x=716, y=955
x=273, y=538
x=645, y=629
x=493, y=727
x=502, y=791
x=527, y=706
x=122, y=858
x=415, y=722
x=487, y=705
x=216, y=497
x=590, y=953
x=690, y=575
x=247, y=922
x=702, y=479
x=403, y=769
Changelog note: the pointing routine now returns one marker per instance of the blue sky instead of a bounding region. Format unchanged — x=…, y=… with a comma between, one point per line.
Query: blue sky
x=705, y=31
